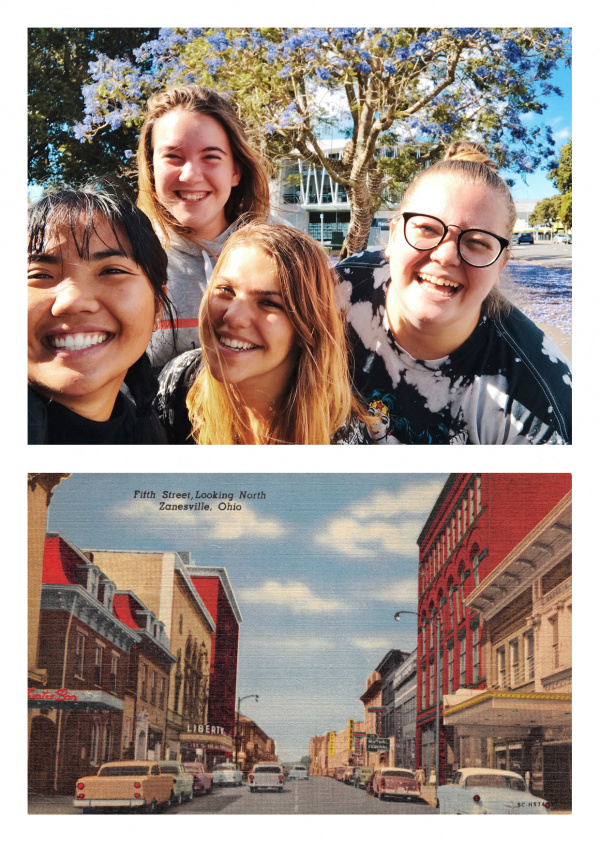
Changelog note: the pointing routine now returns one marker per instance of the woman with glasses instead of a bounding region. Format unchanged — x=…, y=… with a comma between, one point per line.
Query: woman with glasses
x=433, y=340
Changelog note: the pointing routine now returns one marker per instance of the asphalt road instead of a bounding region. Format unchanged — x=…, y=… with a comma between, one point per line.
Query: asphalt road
x=544, y=252
x=315, y=796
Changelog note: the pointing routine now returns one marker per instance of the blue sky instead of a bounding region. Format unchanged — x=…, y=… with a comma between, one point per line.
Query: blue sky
x=319, y=568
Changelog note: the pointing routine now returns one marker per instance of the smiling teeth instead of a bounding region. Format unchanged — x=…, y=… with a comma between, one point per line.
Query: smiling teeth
x=78, y=341
x=199, y=196
x=237, y=345
x=435, y=280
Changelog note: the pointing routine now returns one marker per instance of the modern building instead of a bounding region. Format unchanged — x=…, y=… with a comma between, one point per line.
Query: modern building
x=161, y=581
x=522, y=721
x=477, y=520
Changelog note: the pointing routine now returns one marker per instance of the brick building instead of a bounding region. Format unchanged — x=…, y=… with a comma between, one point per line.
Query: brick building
x=477, y=520
x=253, y=745
x=85, y=648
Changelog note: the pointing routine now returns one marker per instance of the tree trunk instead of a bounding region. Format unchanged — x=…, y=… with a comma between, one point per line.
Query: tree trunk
x=362, y=212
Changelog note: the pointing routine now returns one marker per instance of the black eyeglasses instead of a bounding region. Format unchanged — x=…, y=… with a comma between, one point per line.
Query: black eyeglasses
x=475, y=246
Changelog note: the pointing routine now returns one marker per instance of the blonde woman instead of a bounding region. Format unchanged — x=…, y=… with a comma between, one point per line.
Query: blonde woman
x=449, y=358
x=273, y=364
x=197, y=175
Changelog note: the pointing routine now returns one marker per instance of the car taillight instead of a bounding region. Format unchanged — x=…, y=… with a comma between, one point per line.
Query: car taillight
x=476, y=798
x=137, y=784
x=280, y=778
x=382, y=783
x=174, y=781
x=80, y=785
x=251, y=778
x=136, y=795
x=81, y=795
x=547, y=805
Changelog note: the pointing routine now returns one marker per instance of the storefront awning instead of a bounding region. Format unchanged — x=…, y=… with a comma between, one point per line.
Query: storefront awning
x=493, y=709
x=211, y=743
x=65, y=699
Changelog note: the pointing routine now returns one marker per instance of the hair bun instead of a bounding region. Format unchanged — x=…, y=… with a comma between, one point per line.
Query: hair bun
x=469, y=151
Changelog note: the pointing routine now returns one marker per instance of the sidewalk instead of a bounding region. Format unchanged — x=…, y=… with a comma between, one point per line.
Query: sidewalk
x=38, y=803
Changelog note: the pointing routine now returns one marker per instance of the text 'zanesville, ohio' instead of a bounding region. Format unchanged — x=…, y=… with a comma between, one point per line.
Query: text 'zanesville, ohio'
x=199, y=501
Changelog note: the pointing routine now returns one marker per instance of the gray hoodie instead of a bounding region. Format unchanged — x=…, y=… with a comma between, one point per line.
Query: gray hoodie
x=189, y=270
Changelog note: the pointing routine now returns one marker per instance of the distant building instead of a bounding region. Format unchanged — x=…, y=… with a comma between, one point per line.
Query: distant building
x=405, y=712
x=253, y=744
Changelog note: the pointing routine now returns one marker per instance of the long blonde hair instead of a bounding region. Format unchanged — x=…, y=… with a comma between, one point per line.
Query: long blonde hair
x=250, y=197
x=319, y=399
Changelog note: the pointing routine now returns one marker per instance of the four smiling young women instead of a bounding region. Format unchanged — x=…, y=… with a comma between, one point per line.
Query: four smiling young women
x=250, y=320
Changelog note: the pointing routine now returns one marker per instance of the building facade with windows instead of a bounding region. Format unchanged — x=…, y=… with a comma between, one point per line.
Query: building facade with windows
x=475, y=523
x=522, y=721
x=253, y=744
x=161, y=581
x=405, y=712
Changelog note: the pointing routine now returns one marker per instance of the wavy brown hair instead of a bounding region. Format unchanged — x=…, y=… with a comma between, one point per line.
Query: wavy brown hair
x=249, y=197
x=319, y=399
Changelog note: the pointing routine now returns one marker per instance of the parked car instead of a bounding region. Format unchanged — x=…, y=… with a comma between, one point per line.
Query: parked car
x=561, y=238
x=395, y=783
x=125, y=784
x=183, y=786
x=362, y=776
x=339, y=773
x=348, y=773
x=202, y=779
x=486, y=791
x=298, y=772
x=525, y=238
x=266, y=776
x=227, y=774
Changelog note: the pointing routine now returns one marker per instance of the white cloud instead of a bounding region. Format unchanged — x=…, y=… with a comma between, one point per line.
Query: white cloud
x=387, y=524
x=375, y=644
x=295, y=597
x=293, y=644
x=216, y=524
x=562, y=134
x=400, y=592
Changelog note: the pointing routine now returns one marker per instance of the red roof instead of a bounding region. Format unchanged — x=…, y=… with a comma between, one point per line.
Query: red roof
x=124, y=608
x=61, y=563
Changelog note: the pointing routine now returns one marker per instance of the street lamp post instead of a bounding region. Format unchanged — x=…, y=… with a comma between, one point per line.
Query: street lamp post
x=435, y=623
x=237, y=721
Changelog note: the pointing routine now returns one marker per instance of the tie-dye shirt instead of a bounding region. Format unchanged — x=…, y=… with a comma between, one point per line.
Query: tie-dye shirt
x=508, y=383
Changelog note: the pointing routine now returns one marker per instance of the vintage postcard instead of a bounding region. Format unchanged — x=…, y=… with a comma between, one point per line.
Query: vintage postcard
x=302, y=644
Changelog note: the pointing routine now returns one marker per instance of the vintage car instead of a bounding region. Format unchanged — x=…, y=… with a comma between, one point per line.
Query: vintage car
x=125, y=784
x=339, y=773
x=298, y=772
x=202, y=780
x=361, y=776
x=395, y=783
x=183, y=788
x=266, y=776
x=225, y=775
x=487, y=791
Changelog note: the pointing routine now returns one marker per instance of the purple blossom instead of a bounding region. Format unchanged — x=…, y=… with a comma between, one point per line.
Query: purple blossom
x=362, y=67
x=323, y=74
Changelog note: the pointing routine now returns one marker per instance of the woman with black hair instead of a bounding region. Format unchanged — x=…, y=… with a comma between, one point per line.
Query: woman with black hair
x=96, y=288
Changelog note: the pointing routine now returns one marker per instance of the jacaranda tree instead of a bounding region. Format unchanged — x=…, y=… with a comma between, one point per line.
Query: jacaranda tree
x=414, y=90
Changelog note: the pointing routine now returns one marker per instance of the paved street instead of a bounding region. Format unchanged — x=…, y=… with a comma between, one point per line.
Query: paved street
x=543, y=252
x=316, y=796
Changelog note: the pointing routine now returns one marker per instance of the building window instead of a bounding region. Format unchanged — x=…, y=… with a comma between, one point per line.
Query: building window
x=161, y=695
x=461, y=596
x=423, y=687
x=475, y=654
x=501, y=667
x=95, y=744
x=555, y=644
x=529, y=662
x=451, y=605
x=181, y=624
x=144, y=693
x=463, y=660
x=431, y=682
x=451, y=668
x=514, y=663
x=79, y=654
x=153, y=688
x=471, y=505
x=114, y=663
x=476, y=569
x=98, y=665
x=477, y=494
